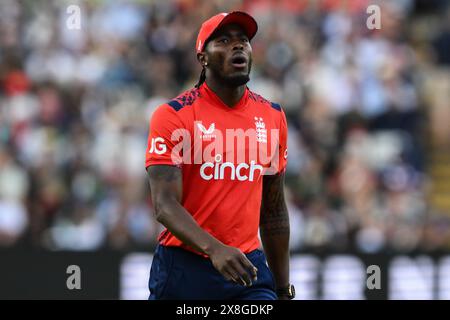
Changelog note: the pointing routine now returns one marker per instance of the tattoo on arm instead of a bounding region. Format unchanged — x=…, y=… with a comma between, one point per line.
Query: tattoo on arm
x=274, y=215
x=164, y=173
x=165, y=182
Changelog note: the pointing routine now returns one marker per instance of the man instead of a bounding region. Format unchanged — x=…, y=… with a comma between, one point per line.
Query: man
x=212, y=200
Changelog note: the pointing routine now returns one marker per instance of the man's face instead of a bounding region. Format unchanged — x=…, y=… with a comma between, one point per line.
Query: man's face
x=229, y=55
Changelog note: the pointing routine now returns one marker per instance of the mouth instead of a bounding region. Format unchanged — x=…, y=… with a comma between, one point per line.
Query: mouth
x=239, y=61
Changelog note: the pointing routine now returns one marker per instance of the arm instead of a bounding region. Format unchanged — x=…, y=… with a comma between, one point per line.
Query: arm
x=166, y=190
x=274, y=228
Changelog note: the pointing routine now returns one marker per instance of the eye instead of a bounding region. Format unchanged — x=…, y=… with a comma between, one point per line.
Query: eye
x=223, y=40
x=244, y=40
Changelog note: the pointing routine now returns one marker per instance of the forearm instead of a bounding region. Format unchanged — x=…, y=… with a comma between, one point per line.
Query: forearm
x=275, y=238
x=274, y=228
x=166, y=190
x=184, y=227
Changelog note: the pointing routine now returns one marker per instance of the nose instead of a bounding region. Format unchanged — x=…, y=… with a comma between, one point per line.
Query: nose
x=238, y=45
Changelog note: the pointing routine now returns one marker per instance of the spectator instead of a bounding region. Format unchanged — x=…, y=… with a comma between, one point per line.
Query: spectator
x=75, y=105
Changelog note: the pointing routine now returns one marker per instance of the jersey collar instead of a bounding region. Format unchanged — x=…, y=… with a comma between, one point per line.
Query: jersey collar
x=212, y=97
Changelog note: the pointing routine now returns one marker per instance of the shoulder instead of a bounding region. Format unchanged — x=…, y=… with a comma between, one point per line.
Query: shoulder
x=185, y=99
x=263, y=101
x=272, y=109
x=171, y=109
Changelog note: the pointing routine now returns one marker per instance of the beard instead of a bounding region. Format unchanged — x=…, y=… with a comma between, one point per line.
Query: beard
x=231, y=80
x=236, y=80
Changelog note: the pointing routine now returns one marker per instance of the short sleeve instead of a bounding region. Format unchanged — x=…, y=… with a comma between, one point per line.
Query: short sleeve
x=161, y=145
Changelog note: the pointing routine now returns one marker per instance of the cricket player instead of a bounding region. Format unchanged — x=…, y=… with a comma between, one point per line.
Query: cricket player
x=215, y=180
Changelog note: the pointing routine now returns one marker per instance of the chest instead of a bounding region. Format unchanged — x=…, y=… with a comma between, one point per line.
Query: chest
x=209, y=121
x=235, y=137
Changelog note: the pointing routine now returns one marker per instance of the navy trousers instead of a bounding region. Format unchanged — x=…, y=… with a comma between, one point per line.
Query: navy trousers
x=177, y=274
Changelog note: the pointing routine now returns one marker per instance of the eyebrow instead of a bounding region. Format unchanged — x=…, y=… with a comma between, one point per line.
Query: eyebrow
x=229, y=33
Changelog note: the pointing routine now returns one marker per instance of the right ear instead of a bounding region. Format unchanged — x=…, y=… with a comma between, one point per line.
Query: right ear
x=201, y=57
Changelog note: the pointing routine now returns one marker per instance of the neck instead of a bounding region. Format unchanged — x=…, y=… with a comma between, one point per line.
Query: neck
x=229, y=95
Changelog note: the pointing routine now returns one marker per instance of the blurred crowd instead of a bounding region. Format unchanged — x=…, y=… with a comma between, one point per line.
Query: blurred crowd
x=75, y=106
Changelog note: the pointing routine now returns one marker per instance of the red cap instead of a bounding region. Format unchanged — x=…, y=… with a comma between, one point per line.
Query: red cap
x=246, y=21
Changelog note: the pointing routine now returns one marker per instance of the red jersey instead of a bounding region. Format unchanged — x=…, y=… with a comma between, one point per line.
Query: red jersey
x=223, y=153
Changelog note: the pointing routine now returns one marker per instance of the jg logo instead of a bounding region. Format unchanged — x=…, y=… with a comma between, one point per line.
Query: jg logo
x=157, y=146
x=74, y=280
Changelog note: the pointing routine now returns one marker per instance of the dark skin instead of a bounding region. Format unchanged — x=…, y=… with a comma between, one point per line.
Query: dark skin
x=274, y=228
x=166, y=186
x=226, y=80
x=227, y=59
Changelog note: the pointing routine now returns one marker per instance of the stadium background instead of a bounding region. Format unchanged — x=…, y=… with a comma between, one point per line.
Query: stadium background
x=368, y=177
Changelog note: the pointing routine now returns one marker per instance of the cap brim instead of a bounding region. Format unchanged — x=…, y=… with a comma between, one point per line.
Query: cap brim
x=242, y=19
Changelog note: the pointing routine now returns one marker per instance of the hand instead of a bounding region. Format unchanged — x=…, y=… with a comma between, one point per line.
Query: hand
x=233, y=265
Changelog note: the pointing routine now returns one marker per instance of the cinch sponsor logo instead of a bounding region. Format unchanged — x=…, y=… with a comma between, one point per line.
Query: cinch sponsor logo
x=220, y=171
x=237, y=146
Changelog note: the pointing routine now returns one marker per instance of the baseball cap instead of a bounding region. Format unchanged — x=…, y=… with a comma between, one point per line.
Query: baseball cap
x=246, y=21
